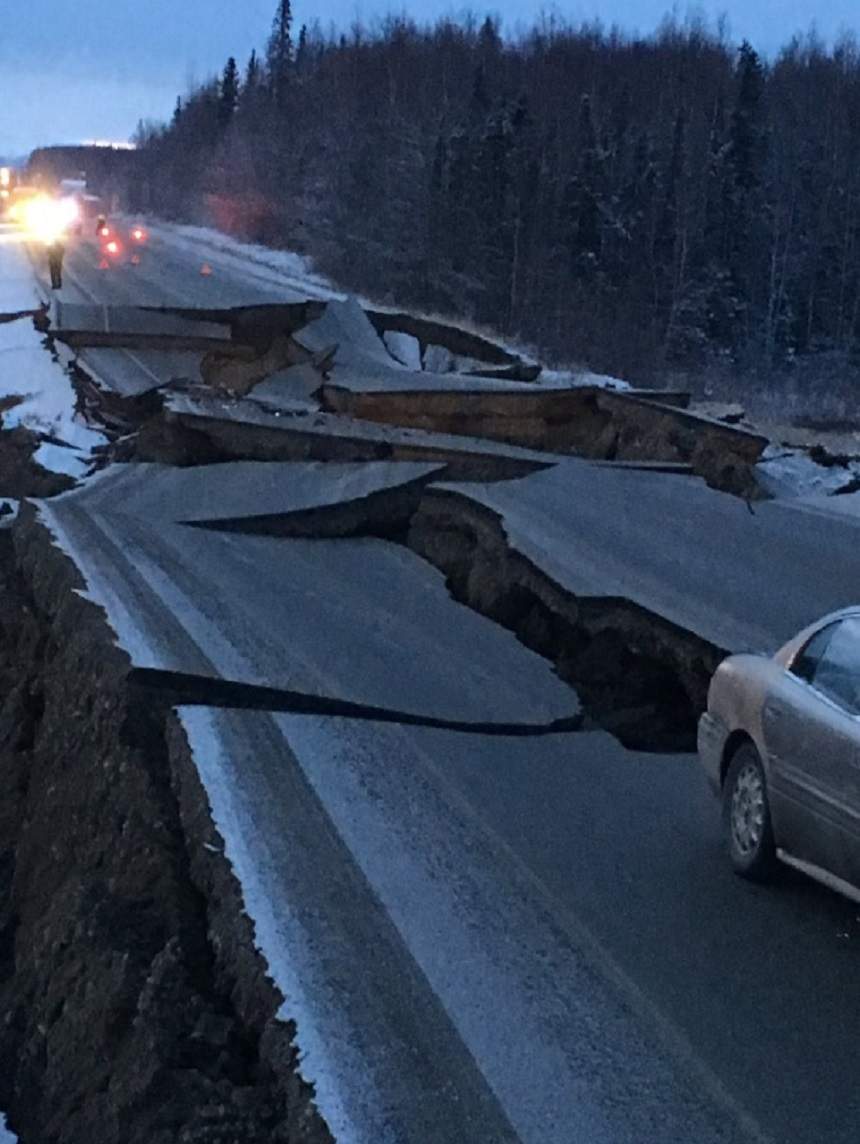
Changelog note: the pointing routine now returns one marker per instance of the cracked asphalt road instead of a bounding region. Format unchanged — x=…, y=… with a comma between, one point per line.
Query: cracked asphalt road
x=556, y=914
x=539, y=941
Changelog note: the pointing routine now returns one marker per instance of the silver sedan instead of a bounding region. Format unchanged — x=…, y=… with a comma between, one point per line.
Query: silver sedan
x=780, y=743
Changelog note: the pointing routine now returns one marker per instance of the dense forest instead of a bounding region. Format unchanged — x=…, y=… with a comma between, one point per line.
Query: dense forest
x=673, y=206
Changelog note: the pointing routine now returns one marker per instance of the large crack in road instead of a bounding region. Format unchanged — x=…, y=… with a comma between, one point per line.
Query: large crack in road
x=135, y=1005
x=639, y=676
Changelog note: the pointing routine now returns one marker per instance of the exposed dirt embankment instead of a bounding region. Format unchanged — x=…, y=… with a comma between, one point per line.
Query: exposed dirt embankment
x=638, y=676
x=133, y=1007
x=20, y=474
x=588, y=422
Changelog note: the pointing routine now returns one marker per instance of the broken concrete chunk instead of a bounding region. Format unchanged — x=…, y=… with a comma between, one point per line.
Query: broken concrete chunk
x=403, y=348
x=431, y=331
x=346, y=326
x=243, y=367
x=291, y=388
x=437, y=359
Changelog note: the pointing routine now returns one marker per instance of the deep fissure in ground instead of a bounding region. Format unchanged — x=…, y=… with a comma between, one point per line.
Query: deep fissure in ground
x=639, y=676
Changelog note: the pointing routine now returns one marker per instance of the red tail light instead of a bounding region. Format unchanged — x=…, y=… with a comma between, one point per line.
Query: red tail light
x=112, y=247
x=138, y=234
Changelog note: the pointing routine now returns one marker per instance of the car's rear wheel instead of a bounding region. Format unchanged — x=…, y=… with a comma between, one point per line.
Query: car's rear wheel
x=746, y=816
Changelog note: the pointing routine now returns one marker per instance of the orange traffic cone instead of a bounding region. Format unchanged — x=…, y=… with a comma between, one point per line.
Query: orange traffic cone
x=104, y=264
x=206, y=270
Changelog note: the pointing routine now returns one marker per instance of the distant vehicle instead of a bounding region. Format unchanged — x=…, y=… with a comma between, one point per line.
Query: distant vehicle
x=112, y=250
x=780, y=743
x=138, y=235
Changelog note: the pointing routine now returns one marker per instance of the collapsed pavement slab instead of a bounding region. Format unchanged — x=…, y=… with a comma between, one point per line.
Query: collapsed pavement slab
x=591, y=422
x=426, y=333
x=250, y=491
x=180, y=598
x=361, y=359
x=199, y=428
x=127, y=373
x=134, y=327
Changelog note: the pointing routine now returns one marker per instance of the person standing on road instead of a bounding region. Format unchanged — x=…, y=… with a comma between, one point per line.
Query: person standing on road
x=56, y=254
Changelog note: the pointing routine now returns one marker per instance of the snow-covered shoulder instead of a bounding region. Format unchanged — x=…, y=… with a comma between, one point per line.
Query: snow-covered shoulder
x=567, y=378
x=787, y=472
x=18, y=290
x=37, y=392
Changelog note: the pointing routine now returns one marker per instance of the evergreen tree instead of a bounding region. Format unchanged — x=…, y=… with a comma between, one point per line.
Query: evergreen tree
x=747, y=134
x=617, y=214
x=229, y=95
x=584, y=195
x=743, y=208
x=302, y=50
x=279, y=54
x=252, y=72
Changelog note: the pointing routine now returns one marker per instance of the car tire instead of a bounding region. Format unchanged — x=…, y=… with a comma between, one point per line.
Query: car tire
x=747, y=823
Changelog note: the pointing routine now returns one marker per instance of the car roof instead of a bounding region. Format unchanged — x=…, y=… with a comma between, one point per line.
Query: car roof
x=841, y=614
x=786, y=654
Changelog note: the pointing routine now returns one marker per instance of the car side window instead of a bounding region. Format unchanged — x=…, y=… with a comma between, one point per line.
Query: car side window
x=838, y=672
x=808, y=658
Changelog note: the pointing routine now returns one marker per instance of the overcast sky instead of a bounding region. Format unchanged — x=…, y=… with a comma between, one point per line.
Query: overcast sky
x=93, y=68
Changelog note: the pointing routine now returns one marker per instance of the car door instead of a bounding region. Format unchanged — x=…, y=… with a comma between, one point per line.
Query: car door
x=810, y=726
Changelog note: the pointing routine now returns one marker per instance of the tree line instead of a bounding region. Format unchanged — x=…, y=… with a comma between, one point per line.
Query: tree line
x=648, y=206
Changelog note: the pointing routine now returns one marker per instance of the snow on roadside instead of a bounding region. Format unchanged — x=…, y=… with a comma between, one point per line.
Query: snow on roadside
x=18, y=290
x=567, y=378
x=6, y=1137
x=404, y=348
x=28, y=371
x=783, y=472
x=8, y=515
